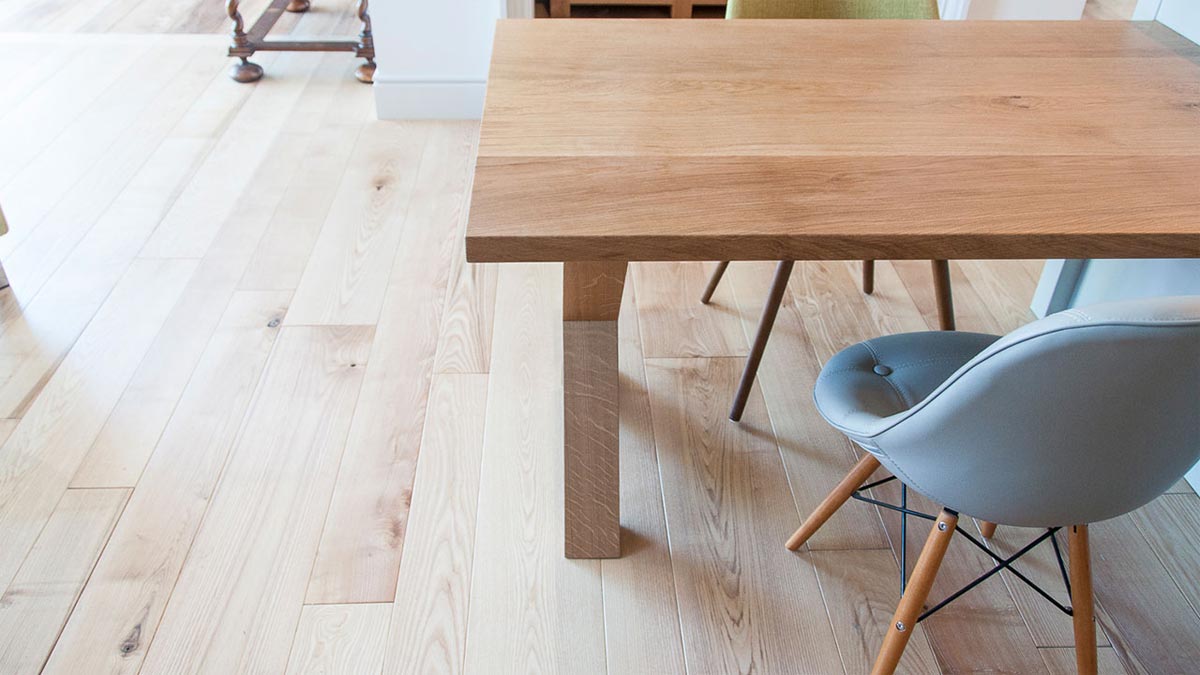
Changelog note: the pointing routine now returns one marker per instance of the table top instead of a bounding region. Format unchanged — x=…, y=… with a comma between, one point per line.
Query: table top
x=768, y=140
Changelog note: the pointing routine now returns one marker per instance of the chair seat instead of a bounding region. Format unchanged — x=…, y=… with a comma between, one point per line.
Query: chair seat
x=864, y=384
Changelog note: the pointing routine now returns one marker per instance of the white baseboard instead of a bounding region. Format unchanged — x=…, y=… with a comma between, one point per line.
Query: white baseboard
x=428, y=100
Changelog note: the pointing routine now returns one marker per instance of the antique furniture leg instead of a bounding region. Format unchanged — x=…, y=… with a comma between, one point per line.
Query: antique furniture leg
x=244, y=71
x=913, y=600
x=591, y=425
x=774, y=299
x=1082, y=608
x=247, y=42
x=366, y=46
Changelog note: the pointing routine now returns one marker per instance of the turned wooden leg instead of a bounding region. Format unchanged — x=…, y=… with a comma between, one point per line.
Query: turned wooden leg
x=945, y=298
x=591, y=424
x=714, y=281
x=868, y=275
x=366, y=46
x=244, y=71
x=914, y=597
x=987, y=529
x=1082, y=609
x=560, y=9
x=857, y=476
x=774, y=299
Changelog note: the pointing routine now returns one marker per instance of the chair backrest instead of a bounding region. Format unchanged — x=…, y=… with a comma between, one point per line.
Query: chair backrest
x=831, y=9
x=1081, y=416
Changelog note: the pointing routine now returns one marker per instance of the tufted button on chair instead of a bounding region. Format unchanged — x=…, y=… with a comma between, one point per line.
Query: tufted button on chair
x=1076, y=418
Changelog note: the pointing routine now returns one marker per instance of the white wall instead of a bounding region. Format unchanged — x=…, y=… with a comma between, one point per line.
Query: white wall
x=433, y=57
x=1183, y=16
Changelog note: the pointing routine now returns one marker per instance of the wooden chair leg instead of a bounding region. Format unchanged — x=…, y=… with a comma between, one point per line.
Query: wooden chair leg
x=1083, y=611
x=987, y=529
x=714, y=281
x=868, y=274
x=838, y=496
x=774, y=299
x=914, y=598
x=945, y=298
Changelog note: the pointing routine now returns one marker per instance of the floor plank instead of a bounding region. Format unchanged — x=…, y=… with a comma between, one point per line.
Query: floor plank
x=44, y=451
x=119, y=612
x=190, y=227
x=1061, y=661
x=100, y=151
x=674, y=323
x=1171, y=524
x=21, y=75
x=862, y=590
x=129, y=435
x=641, y=615
x=363, y=538
x=339, y=640
x=43, y=333
x=465, y=341
x=815, y=456
x=746, y=603
x=35, y=121
x=347, y=276
x=334, y=110
x=237, y=602
x=37, y=602
x=532, y=610
x=1003, y=286
x=428, y=631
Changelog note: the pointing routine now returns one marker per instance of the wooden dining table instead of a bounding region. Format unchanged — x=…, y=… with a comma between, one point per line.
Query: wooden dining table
x=610, y=141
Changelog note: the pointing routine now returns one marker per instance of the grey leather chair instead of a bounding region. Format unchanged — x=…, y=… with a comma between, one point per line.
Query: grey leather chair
x=1076, y=418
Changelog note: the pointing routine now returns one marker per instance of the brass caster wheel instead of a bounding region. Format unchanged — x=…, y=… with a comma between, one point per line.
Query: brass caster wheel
x=298, y=6
x=245, y=71
x=366, y=72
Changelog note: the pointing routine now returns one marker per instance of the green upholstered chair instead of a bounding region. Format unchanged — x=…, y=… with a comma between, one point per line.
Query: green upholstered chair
x=831, y=9
x=823, y=9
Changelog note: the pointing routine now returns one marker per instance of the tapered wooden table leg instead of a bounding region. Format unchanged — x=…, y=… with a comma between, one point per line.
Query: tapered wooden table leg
x=945, y=297
x=591, y=424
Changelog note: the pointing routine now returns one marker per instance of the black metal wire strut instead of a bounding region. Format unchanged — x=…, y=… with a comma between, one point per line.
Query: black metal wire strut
x=1003, y=563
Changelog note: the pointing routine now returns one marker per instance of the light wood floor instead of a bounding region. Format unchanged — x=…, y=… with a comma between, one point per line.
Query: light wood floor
x=261, y=417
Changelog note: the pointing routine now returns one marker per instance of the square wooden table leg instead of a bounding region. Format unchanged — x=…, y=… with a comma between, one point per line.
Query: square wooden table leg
x=591, y=423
